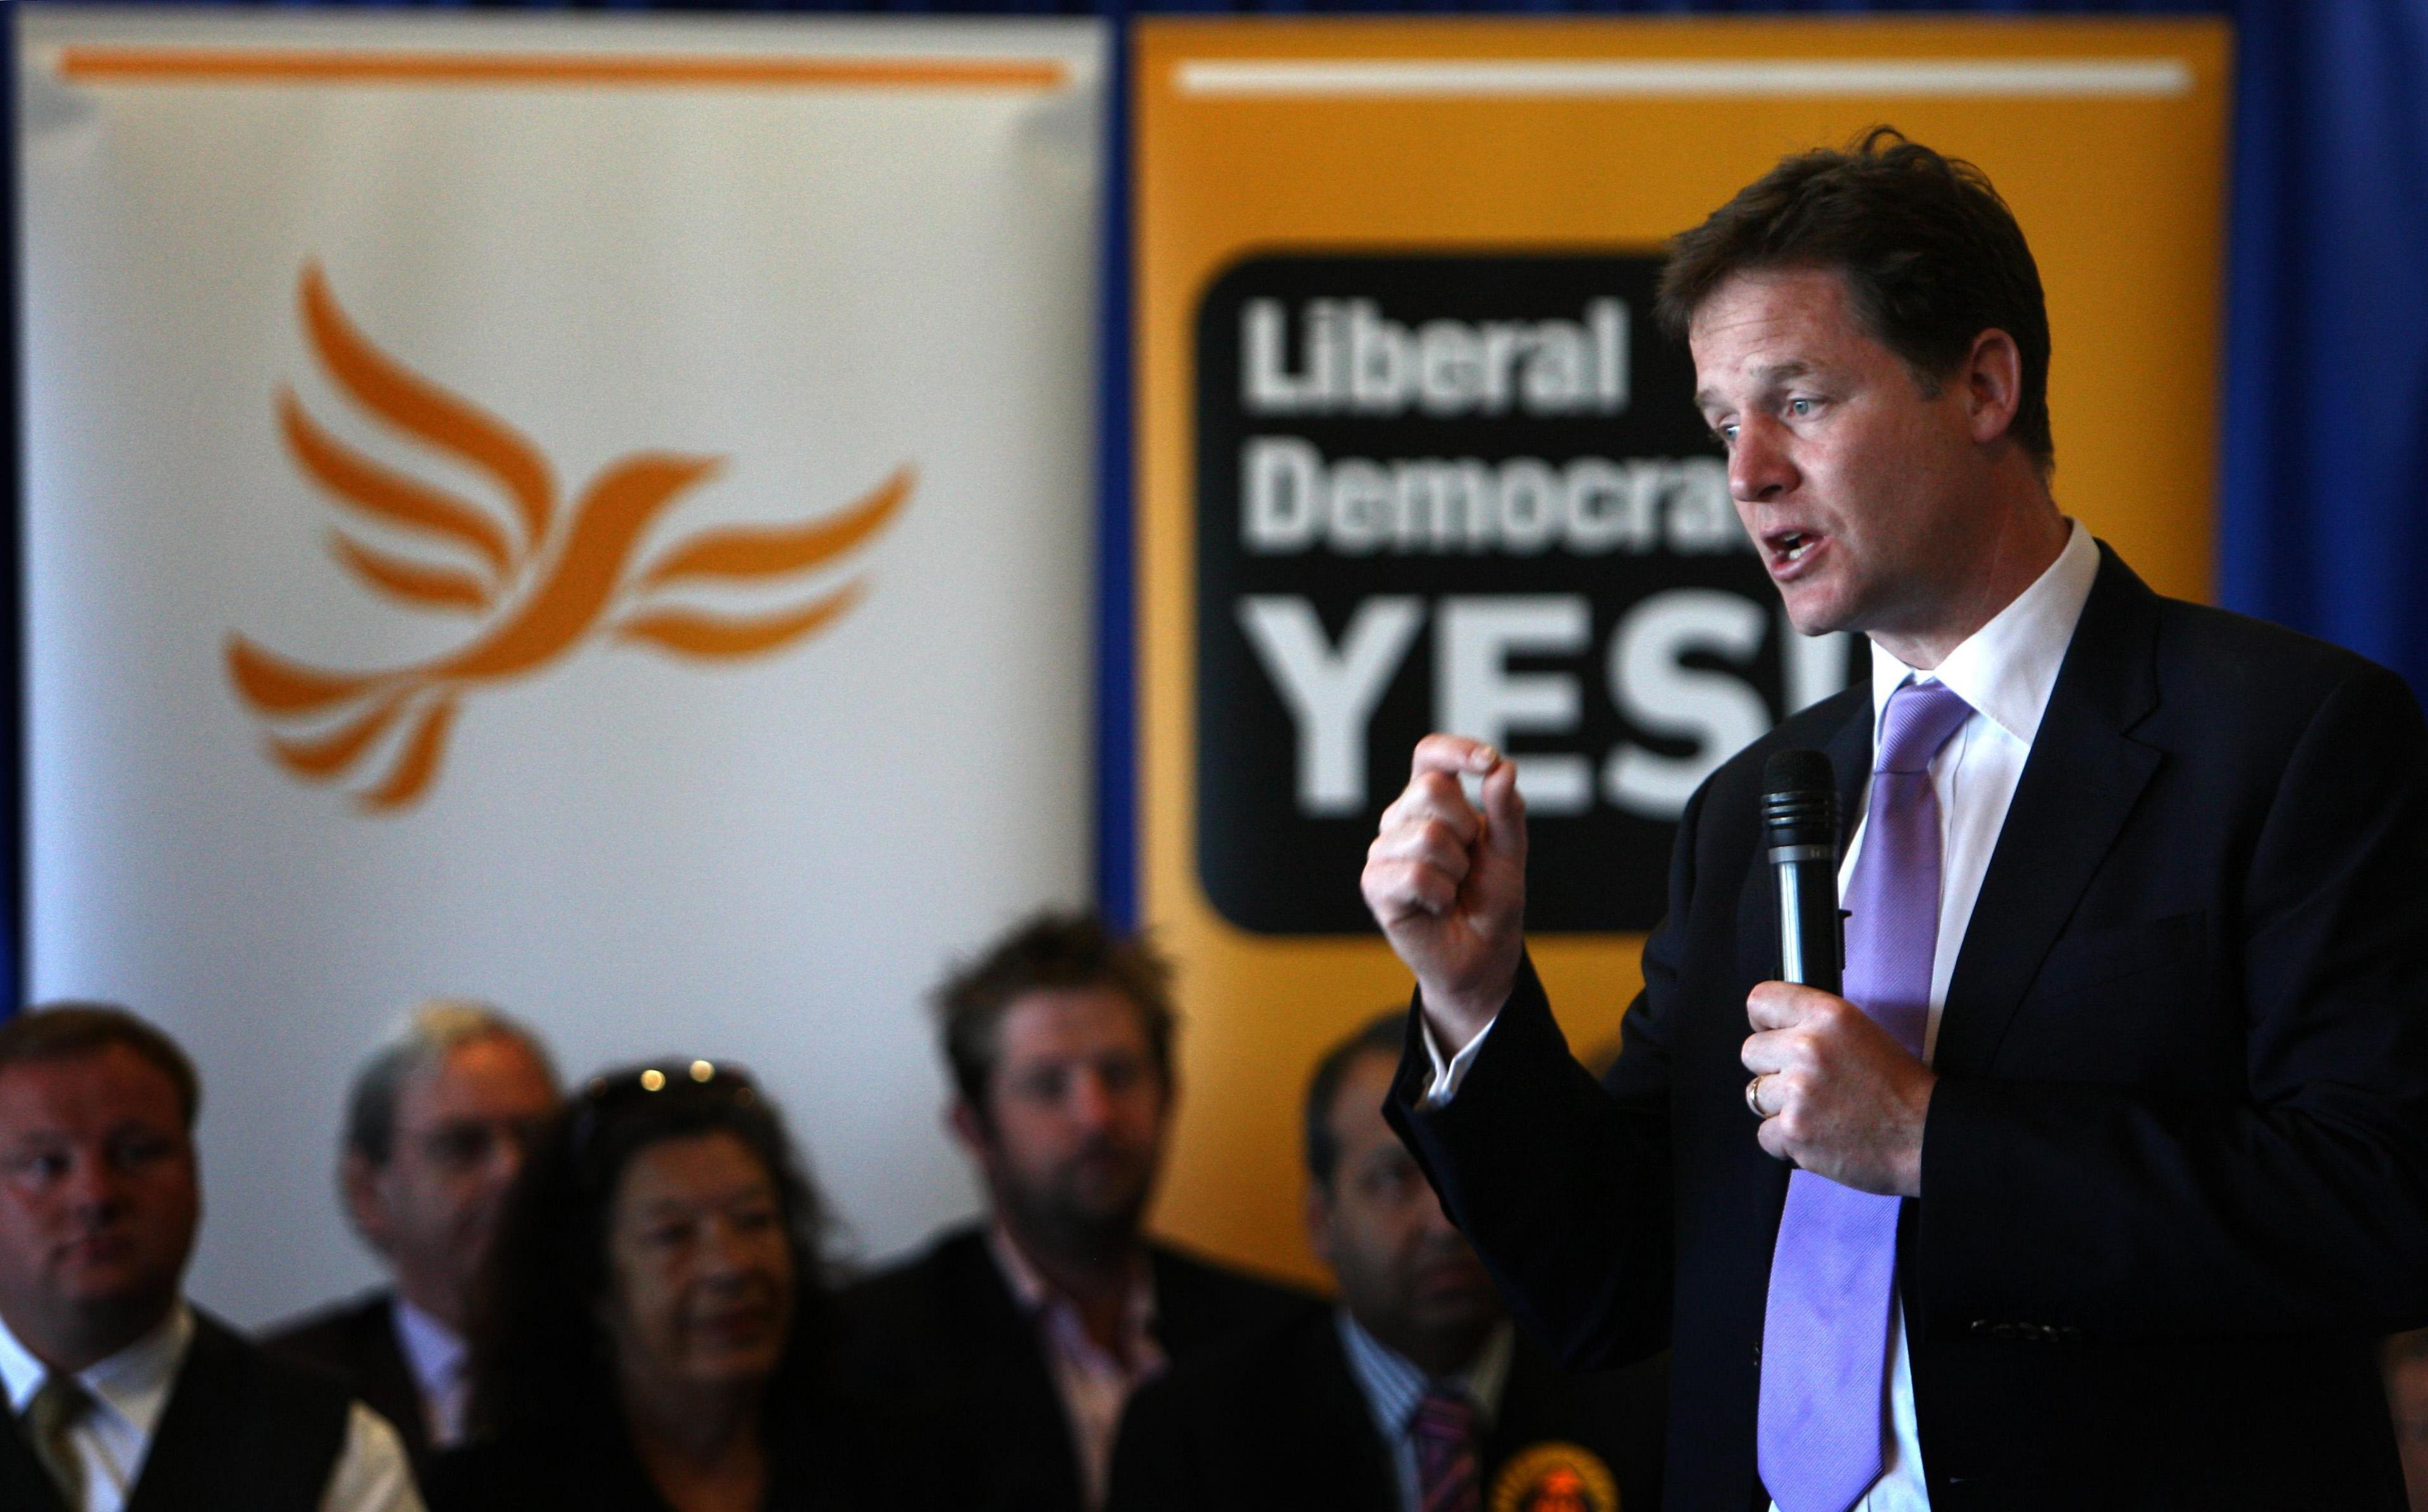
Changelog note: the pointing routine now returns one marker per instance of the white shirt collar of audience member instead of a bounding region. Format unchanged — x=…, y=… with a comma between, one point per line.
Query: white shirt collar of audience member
x=1394, y=1387
x=129, y=1390
x=437, y=1357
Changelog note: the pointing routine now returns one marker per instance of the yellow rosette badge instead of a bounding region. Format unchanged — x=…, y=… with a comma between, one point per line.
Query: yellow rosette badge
x=1555, y=1477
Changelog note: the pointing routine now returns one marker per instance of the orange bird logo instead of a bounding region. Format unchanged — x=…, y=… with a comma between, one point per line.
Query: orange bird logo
x=540, y=578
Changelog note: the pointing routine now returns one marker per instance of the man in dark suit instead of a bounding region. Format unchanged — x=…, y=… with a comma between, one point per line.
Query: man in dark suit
x=1415, y=1393
x=1035, y=1327
x=436, y=1130
x=2099, y=1197
x=122, y=1396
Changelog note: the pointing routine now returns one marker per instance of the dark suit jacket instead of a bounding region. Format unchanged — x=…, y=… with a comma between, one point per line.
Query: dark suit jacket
x=356, y=1342
x=826, y=1453
x=944, y=1328
x=2176, y=1172
x=241, y=1429
x=1277, y=1422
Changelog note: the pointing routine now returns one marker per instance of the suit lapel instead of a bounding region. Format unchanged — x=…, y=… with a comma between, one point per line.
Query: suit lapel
x=2078, y=788
x=1346, y=1462
x=25, y=1484
x=387, y=1384
x=1181, y=1322
x=1028, y=1421
x=1850, y=759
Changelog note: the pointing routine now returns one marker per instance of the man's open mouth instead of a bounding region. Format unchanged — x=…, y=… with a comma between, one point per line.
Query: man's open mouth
x=1787, y=547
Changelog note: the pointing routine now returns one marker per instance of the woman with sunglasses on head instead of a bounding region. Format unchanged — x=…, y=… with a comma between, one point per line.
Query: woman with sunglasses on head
x=648, y=1335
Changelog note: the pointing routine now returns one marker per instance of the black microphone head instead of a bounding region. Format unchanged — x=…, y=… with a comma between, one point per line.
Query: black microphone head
x=1800, y=800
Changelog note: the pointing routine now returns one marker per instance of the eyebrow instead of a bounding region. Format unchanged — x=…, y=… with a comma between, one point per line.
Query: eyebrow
x=1772, y=374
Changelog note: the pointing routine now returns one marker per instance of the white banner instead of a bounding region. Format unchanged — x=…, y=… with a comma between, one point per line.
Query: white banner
x=590, y=514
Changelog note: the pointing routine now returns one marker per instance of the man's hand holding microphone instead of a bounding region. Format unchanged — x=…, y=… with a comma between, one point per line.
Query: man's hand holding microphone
x=1446, y=881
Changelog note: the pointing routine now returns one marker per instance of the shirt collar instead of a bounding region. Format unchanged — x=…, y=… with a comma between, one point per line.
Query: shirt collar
x=1027, y=1287
x=134, y=1383
x=1034, y=1295
x=434, y=1352
x=1393, y=1386
x=136, y=1380
x=19, y=1370
x=2007, y=669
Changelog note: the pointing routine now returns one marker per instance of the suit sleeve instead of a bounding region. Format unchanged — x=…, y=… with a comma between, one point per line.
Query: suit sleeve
x=2303, y=1206
x=1561, y=1182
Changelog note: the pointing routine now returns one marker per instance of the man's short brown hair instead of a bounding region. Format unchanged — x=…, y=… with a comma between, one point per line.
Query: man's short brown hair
x=1931, y=257
x=1050, y=952
x=1385, y=1034
x=71, y=1031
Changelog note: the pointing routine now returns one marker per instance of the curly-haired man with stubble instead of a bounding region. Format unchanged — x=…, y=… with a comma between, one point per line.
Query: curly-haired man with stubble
x=1034, y=1325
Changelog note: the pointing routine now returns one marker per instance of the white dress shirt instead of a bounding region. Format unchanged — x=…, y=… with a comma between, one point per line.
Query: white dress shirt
x=440, y=1363
x=1394, y=1387
x=129, y=1392
x=2006, y=671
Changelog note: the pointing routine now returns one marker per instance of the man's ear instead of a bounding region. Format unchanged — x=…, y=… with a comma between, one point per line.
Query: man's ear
x=969, y=1126
x=358, y=1179
x=1993, y=384
x=1170, y=1093
x=1316, y=1213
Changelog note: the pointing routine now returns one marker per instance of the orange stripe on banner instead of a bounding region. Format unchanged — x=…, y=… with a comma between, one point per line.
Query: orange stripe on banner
x=185, y=65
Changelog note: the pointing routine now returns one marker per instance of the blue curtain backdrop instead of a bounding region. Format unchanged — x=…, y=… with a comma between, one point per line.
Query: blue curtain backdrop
x=2323, y=447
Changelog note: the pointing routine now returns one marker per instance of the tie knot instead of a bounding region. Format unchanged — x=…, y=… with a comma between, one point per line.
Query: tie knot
x=56, y=1404
x=1919, y=720
x=1445, y=1415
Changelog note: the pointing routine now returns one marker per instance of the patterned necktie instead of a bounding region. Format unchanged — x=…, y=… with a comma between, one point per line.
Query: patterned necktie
x=50, y=1429
x=1448, y=1479
x=1833, y=1273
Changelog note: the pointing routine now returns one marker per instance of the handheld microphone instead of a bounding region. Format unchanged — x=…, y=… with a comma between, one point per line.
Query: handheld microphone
x=1800, y=822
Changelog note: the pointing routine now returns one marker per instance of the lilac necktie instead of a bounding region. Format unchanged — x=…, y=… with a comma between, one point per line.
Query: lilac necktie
x=1833, y=1273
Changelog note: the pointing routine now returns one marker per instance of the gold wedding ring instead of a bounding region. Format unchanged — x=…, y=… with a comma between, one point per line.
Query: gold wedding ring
x=1753, y=1096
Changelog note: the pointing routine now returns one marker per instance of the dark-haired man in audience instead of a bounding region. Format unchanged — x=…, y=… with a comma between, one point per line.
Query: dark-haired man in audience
x=1416, y=1394
x=124, y=1397
x=1040, y=1322
x=436, y=1131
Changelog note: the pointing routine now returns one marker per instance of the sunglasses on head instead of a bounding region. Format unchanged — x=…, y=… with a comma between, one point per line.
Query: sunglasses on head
x=679, y=1081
